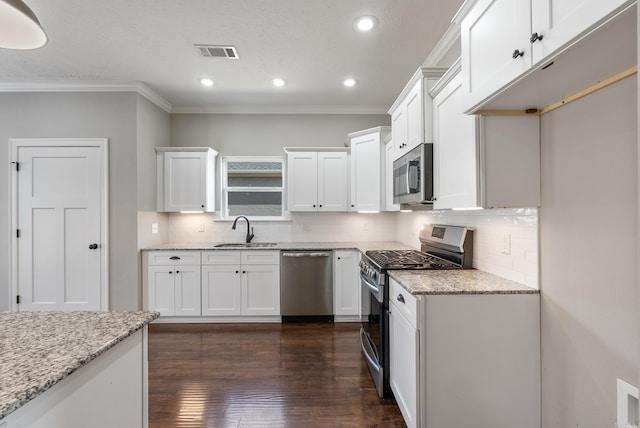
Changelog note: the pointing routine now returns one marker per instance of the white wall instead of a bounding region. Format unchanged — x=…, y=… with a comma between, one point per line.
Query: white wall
x=491, y=227
x=588, y=247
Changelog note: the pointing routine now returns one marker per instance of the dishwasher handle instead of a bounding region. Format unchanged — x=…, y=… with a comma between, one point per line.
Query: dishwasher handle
x=285, y=254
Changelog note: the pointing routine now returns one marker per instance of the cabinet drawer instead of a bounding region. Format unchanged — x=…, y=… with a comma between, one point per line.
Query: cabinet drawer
x=173, y=258
x=404, y=301
x=228, y=257
x=256, y=257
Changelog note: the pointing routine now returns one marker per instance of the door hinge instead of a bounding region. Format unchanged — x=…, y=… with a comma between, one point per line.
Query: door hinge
x=18, y=299
x=17, y=233
x=17, y=165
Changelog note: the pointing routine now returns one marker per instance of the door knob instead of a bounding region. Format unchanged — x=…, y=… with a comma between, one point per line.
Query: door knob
x=93, y=246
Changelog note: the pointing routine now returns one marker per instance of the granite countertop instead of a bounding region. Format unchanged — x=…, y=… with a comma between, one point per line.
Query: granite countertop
x=468, y=281
x=362, y=246
x=38, y=349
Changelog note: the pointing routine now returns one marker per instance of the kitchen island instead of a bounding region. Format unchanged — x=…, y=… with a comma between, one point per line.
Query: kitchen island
x=73, y=369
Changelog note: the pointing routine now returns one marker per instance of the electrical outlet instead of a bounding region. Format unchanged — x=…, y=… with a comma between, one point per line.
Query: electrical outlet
x=306, y=227
x=506, y=243
x=201, y=228
x=365, y=227
x=154, y=227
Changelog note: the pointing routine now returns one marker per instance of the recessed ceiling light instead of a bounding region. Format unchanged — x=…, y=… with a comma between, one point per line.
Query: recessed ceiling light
x=278, y=82
x=349, y=83
x=365, y=23
x=205, y=81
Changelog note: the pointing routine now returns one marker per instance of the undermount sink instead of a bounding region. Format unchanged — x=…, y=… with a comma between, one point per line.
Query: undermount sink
x=245, y=245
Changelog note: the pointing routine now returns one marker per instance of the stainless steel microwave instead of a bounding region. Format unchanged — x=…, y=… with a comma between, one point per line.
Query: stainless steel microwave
x=413, y=177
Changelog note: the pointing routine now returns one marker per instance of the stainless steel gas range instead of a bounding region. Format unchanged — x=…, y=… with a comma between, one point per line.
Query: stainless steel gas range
x=442, y=247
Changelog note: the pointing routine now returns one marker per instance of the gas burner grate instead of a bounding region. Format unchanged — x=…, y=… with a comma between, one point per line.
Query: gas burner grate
x=408, y=259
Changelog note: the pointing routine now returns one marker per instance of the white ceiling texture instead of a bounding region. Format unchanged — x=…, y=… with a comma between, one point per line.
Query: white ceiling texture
x=312, y=44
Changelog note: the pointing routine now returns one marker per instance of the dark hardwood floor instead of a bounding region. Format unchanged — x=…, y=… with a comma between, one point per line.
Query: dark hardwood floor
x=262, y=375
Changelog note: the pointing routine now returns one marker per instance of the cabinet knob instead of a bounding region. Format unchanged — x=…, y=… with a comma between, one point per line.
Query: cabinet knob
x=177, y=271
x=170, y=272
x=517, y=53
x=320, y=205
x=314, y=205
x=93, y=246
x=237, y=271
x=244, y=271
x=400, y=298
x=535, y=37
x=338, y=258
x=202, y=206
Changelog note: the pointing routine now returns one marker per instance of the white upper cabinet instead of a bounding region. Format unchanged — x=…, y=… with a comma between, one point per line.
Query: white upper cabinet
x=495, y=46
x=185, y=179
x=554, y=23
x=389, y=157
x=505, y=41
x=367, y=169
x=484, y=161
x=411, y=112
x=317, y=180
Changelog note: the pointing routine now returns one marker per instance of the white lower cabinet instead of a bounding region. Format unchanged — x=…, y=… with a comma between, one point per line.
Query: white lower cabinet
x=404, y=339
x=468, y=360
x=173, y=283
x=245, y=283
x=346, y=284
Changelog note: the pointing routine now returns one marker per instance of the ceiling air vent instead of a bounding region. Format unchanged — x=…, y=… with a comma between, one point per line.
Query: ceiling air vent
x=215, y=51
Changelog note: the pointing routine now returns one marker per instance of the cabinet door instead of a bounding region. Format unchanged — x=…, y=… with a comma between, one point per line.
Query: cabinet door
x=302, y=181
x=415, y=118
x=221, y=290
x=187, y=291
x=333, y=181
x=559, y=22
x=185, y=181
x=399, y=130
x=404, y=374
x=455, y=149
x=490, y=34
x=365, y=173
x=161, y=289
x=260, y=290
x=346, y=283
x=388, y=177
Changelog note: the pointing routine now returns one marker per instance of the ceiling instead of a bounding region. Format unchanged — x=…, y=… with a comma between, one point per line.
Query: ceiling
x=311, y=44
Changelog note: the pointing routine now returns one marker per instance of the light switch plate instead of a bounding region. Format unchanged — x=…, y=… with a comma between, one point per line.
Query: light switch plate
x=506, y=243
x=154, y=227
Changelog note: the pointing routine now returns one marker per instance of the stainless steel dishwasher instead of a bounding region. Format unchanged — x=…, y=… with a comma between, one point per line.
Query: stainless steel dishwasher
x=306, y=286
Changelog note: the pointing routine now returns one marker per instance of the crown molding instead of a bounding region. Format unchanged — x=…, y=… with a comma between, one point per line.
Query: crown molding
x=281, y=109
x=138, y=87
x=444, y=45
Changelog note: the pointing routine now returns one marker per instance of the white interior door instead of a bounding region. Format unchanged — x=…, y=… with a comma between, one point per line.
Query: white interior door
x=60, y=217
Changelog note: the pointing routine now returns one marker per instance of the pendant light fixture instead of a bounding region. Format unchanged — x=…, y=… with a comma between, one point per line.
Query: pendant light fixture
x=19, y=26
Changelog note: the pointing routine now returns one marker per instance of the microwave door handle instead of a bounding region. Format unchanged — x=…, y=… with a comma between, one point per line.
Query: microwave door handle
x=408, y=189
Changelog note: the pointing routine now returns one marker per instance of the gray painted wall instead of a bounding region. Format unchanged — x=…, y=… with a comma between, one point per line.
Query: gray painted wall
x=74, y=115
x=589, y=215
x=267, y=134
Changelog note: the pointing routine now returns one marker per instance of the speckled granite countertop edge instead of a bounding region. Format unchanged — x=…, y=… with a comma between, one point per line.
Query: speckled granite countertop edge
x=362, y=246
x=17, y=396
x=457, y=282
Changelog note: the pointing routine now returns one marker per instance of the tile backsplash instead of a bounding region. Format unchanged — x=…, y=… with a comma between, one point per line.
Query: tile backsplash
x=518, y=226
x=310, y=227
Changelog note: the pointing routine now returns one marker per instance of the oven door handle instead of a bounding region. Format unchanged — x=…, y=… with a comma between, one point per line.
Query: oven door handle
x=366, y=350
x=369, y=284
